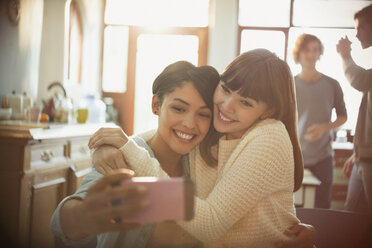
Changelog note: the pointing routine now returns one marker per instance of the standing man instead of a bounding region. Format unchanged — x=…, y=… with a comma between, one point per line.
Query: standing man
x=359, y=166
x=317, y=95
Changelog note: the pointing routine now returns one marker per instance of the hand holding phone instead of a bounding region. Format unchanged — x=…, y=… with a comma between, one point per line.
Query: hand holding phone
x=170, y=199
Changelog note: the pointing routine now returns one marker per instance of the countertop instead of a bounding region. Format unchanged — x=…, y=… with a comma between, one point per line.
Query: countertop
x=36, y=131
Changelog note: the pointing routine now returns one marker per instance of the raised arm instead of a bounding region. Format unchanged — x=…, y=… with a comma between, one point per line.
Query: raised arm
x=88, y=212
x=359, y=78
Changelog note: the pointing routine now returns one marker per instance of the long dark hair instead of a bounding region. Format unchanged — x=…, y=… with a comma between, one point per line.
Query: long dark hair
x=205, y=80
x=262, y=76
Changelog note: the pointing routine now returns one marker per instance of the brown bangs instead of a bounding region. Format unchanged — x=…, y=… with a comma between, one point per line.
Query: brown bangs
x=252, y=80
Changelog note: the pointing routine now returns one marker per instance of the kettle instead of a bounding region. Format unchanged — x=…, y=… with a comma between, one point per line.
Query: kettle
x=59, y=106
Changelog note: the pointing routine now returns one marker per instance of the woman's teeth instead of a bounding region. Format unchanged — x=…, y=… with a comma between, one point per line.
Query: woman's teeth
x=224, y=118
x=184, y=135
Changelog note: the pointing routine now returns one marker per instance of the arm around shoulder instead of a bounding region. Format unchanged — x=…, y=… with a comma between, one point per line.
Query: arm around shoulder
x=141, y=162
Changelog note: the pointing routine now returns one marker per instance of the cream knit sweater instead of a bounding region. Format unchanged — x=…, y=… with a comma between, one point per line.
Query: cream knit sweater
x=247, y=200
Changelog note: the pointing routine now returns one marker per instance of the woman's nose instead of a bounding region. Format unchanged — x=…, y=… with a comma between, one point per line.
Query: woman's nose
x=228, y=104
x=189, y=121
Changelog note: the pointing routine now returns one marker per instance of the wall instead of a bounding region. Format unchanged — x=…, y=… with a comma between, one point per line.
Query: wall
x=20, y=48
x=32, y=52
x=223, y=33
x=53, y=65
x=52, y=45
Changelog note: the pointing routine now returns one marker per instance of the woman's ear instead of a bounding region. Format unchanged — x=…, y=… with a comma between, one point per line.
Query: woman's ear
x=155, y=105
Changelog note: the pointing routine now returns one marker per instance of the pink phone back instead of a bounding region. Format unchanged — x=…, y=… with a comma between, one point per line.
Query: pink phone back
x=167, y=200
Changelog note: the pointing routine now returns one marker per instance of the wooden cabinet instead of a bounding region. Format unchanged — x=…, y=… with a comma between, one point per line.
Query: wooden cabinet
x=36, y=172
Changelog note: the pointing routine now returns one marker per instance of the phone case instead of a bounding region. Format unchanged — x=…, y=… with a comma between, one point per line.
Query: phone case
x=170, y=199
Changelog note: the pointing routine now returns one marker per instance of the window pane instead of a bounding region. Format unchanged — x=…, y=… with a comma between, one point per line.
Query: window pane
x=115, y=57
x=330, y=63
x=159, y=13
x=271, y=40
x=154, y=53
x=264, y=13
x=320, y=13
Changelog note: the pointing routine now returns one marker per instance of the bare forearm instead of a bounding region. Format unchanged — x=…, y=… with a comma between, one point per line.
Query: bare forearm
x=70, y=220
x=338, y=122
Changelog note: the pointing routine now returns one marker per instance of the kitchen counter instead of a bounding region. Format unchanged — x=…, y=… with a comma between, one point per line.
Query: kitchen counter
x=36, y=131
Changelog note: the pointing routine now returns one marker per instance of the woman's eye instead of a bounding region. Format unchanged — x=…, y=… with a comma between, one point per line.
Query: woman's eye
x=205, y=115
x=178, y=109
x=246, y=103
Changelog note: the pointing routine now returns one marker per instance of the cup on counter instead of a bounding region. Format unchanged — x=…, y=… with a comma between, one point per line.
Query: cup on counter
x=33, y=114
x=82, y=115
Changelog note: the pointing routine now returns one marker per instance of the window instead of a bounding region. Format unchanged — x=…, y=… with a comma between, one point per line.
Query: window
x=155, y=52
x=328, y=20
x=74, y=42
x=141, y=38
x=320, y=13
x=115, y=54
x=264, y=13
x=269, y=39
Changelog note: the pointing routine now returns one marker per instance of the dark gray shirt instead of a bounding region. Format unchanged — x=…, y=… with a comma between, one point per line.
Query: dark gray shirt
x=315, y=102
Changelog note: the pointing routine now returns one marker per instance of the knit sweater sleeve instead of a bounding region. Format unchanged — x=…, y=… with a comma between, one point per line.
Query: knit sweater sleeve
x=260, y=167
x=141, y=162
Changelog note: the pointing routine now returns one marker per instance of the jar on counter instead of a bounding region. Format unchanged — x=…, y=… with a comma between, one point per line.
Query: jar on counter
x=96, y=108
x=16, y=104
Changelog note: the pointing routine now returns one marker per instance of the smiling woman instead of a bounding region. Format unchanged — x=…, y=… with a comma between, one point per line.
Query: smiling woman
x=182, y=100
x=235, y=112
x=184, y=118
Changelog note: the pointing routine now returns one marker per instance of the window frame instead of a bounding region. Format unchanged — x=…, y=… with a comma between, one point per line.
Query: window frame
x=124, y=101
x=75, y=20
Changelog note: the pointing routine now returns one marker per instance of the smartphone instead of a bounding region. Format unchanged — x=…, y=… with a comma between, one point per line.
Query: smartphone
x=170, y=199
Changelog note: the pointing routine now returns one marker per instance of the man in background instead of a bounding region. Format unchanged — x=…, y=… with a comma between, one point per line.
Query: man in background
x=359, y=166
x=317, y=95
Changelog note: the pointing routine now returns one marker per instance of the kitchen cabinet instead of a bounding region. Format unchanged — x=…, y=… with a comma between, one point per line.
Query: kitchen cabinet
x=38, y=168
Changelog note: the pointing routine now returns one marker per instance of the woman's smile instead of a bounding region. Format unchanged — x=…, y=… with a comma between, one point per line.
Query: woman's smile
x=223, y=117
x=184, y=137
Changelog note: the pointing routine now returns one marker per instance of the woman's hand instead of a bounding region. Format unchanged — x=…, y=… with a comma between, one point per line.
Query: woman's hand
x=107, y=159
x=96, y=214
x=108, y=136
x=303, y=237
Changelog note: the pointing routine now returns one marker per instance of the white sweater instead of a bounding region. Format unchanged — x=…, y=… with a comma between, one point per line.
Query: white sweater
x=247, y=200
